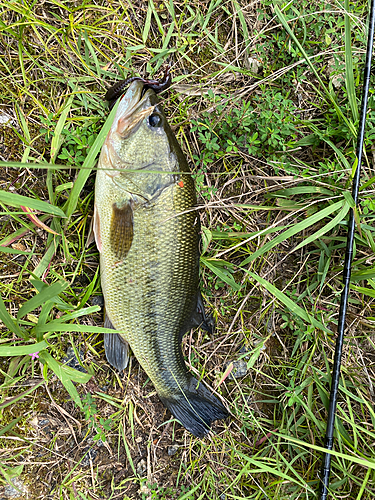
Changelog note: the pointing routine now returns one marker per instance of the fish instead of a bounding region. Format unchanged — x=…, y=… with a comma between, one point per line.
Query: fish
x=147, y=231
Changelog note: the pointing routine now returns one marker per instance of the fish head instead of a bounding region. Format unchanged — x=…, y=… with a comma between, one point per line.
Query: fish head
x=140, y=139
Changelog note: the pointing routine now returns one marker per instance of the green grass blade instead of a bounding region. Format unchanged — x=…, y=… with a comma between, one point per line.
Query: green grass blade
x=127, y=450
x=303, y=190
x=17, y=200
x=21, y=165
x=333, y=223
x=263, y=467
x=7, y=319
x=64, y=375
x=12, y=401
x=78, y=314
x=294, y=308
x=26, y=132
x=362, y=275
x=338, y=151
x=157, y=18
x=48, y=293
x=89, y=290
x=93, y=54
x=47, y=257
x=370, y=462
x=57, y=326
x=361, y=289
x=147, y=25
x=89, y=163
x=313, y=219
x=22, y=350
x=8, y=427
x=349, y=74
x=338, y=110
x=14, y=251
x=217, y=266
x=168, y=36
x=56, y=142
x=243, y=25
x=20, y=233
x=75, y=375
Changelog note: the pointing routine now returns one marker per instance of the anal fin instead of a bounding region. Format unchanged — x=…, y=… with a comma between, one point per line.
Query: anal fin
x=198, y=318
x=116, y=348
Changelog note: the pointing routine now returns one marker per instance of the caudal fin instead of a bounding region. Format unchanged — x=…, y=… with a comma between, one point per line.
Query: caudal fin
x=195, y=408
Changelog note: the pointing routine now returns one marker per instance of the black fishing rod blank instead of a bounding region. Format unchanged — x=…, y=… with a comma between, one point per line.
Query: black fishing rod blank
x=326, y=466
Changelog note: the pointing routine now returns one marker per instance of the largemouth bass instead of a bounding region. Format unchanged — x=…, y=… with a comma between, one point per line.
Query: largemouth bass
x=147, y=231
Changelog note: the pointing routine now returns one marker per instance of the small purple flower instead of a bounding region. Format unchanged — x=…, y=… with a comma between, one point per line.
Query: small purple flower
x=34, y=355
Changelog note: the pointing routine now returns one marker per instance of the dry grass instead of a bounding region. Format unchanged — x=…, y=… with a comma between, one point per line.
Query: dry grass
x=56, y=61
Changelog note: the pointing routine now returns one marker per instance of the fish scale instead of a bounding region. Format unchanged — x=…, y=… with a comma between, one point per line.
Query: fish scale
x=147, y=231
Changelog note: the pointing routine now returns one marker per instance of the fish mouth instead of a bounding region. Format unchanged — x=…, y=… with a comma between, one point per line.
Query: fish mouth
x=133, y=109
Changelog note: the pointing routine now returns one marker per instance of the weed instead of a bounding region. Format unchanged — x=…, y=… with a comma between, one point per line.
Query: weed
x=260, y=127
x=156, y=493
x=98, y=424
x=273, y=154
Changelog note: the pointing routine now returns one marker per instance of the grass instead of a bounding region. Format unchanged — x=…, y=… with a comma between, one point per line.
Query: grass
x=272, y=151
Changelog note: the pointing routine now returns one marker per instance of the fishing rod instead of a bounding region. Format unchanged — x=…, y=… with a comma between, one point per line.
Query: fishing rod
x=326, y=466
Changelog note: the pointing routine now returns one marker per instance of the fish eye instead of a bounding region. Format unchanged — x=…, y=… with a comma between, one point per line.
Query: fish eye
x=155, y=120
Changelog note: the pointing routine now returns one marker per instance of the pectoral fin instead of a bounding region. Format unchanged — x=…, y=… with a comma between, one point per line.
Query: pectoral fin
x=94, y=232
x=121, y=232
x=116, y=348
x=91, y=236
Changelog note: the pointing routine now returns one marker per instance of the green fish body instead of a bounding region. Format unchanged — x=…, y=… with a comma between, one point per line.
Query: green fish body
x=147, y=232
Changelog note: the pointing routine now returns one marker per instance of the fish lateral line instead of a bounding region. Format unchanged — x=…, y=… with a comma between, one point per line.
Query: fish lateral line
x=141, y=171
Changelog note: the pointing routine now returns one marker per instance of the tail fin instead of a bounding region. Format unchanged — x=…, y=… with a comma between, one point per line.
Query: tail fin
x=195, y=408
